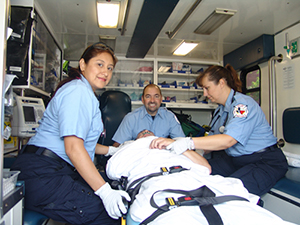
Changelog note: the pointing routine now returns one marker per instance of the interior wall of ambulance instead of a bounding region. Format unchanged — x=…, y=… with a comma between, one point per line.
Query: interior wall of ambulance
x=287, y=80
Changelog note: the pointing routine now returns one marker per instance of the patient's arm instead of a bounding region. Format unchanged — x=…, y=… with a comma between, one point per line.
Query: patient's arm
x=196, y=158
x=101, y=149
x=105, y=150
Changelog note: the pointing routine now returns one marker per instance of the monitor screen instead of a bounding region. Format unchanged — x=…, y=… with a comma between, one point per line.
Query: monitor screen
x=29, y=113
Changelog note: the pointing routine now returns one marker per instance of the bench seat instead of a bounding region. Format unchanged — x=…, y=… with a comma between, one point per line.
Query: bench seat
x=284, y=198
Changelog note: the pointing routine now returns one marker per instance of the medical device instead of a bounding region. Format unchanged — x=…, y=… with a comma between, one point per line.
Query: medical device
x=27, y=112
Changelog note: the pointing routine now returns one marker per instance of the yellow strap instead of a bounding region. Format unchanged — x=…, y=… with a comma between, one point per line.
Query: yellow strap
x=171, y=201
x=123, y=221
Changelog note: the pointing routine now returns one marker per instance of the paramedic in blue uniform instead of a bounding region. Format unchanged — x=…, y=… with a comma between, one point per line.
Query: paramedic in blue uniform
x=61, y=180
x=150, y=117
x=240, y=128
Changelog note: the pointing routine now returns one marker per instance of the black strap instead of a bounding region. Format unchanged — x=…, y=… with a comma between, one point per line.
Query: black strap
x=203, y=197
x=134, y=191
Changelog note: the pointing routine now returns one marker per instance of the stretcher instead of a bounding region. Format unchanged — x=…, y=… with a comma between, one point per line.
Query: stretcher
x=135, y=161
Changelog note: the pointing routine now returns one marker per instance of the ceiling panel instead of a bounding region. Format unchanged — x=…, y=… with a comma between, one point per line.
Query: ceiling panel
x=75, y=25
x=152, y=18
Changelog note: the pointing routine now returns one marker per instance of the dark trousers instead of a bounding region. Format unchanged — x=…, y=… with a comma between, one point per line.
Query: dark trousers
x=259, y=172
x=56, y=190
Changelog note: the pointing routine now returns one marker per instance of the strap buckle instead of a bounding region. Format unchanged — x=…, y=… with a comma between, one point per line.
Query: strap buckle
x=175, y=169
x=171, y=203
x=164, y=171
x=186, y=200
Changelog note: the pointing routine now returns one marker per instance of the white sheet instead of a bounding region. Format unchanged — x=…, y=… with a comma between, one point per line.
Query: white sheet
x=135, y=160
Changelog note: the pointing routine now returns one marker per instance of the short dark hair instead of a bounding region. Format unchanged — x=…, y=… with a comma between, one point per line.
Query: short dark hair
x=151, y=85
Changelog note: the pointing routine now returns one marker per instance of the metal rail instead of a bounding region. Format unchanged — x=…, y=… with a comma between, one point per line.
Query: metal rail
x=272, y=92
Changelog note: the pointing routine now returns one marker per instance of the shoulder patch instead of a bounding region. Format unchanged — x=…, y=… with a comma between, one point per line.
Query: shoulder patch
x=240, y=111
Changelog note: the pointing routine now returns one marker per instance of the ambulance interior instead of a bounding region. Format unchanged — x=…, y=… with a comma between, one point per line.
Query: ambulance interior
x=255, y=37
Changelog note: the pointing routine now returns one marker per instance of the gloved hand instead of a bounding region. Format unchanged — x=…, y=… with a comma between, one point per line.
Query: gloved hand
x=181, y=145
x=112, y=150
x=112, y=200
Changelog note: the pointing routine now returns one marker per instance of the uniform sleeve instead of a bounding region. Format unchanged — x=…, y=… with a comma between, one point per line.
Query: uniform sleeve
x=175, y=127
x=243, y=121
x=124, y=131
x=74, y=115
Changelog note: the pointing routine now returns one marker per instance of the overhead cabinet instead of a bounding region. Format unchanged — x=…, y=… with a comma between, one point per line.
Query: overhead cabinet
x=32, y=53
x=256, y=51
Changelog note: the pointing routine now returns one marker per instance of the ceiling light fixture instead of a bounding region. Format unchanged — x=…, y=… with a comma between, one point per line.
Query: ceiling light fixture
x=108, y=14
x=184, y=48
x=214, y=20
x=171, y=34
x=125, y=16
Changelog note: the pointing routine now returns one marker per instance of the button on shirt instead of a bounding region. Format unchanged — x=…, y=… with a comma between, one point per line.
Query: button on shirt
x=246, y=123
x=164, y=124
x=74, y=110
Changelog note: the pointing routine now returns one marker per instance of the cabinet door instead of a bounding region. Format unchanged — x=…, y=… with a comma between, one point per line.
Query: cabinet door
x=131, y=76
x=46, y=62
x=18, y=44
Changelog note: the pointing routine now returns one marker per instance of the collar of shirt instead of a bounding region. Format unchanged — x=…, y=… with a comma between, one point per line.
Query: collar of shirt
x=85, y=81
x=229, y=101
x=145, y=113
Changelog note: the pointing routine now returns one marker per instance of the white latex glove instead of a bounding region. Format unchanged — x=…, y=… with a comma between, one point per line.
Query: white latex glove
x=181, y=145
x=112, y=150
x=112, y=200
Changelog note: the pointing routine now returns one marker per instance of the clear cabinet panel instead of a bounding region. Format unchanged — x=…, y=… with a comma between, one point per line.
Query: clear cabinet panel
x=177, y=81
x=132, y=73
x=32, y=53
x=131, y=76
x=46, y=58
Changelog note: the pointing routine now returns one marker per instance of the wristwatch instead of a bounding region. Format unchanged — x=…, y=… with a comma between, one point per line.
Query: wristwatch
x=192, y=144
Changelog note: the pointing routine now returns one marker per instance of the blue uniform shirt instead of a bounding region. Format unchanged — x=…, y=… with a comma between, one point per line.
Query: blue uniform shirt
x=74, y=110
x=245, y=122
x=164, y=124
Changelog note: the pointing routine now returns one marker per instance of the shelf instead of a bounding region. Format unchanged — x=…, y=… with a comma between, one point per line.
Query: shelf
x=190, y=105
x=179, y=74
x=181, y=89
x=123, y=87
x=10, y=150
x=162, y=89
x=31, y=88
x=133, y=71
x=139, y=103
x=182, y=105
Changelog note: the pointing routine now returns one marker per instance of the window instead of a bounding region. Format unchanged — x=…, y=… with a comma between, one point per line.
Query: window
x=251, y=83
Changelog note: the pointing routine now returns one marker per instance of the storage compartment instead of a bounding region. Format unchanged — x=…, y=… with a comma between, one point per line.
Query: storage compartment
x=254, y=52
x=9, y=181
x=32, y=52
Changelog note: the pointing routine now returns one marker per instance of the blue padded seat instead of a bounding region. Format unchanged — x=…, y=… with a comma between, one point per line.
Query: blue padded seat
x=34, y=218
x=290, y=184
